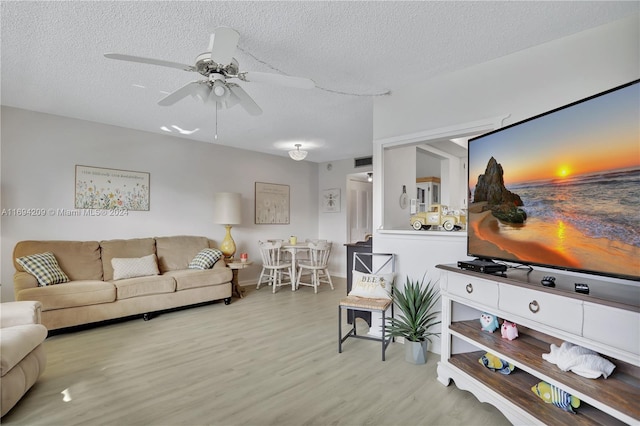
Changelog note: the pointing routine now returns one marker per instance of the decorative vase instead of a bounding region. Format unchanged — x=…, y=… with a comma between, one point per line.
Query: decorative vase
x=228, y=246
x=415, y=352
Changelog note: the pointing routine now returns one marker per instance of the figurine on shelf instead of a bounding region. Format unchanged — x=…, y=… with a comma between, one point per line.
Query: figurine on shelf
x=509, y=330
x=494, y=363
x=489, y=322
x=556, y=396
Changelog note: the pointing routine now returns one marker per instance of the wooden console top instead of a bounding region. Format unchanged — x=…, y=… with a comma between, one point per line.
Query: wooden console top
x=601, y=291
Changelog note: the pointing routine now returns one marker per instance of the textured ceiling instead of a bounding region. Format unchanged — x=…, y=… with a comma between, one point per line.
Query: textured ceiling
x=52, y=60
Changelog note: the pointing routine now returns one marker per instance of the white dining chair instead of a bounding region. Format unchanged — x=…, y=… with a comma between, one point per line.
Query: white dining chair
x=274, y=268
x=317, y=266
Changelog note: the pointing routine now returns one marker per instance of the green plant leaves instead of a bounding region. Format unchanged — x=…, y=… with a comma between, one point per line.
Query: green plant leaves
x=417, y=303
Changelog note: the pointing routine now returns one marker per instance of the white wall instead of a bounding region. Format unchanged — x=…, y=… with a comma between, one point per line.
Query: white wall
x=40, y=152
x=333, y=226
x=399, y=170
x=523, y=84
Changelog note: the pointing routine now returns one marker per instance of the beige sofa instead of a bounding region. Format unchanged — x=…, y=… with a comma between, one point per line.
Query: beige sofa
x=92, y=295
x=22, y=356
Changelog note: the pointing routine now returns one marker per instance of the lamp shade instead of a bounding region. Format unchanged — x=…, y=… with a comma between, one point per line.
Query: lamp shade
x=226, y=208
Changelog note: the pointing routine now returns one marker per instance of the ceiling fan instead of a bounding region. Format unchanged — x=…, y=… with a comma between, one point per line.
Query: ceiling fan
x=219, y=66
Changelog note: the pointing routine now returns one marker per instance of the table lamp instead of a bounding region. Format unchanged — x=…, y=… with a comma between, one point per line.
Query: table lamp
x=226, y=211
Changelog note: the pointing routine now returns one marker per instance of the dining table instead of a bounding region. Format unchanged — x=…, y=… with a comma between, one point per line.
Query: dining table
x=294, y=249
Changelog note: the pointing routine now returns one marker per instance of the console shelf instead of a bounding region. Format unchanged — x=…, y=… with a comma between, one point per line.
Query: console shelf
x=603, y=401
x=526, y=352
x=516, y=388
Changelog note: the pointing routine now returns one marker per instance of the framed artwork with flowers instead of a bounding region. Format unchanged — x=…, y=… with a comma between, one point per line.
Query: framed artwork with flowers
x=272, y=204
x=111, y=189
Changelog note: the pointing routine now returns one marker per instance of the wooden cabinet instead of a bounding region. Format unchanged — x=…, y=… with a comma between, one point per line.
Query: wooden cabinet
x=427, y=192
x=608, y=325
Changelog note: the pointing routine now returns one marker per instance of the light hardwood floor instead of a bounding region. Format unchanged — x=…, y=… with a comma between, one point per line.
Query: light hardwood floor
x=267, y=359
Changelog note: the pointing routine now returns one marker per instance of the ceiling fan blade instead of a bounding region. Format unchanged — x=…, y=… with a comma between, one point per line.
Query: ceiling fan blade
x=279, y=79
x=223, y=45
x=245, y=100
x=151, y=61
x=186, y=90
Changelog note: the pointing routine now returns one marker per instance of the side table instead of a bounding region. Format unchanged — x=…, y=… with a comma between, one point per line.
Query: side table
x=235, y=267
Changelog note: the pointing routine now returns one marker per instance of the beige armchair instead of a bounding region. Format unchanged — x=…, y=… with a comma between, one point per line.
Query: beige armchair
x=22, y=356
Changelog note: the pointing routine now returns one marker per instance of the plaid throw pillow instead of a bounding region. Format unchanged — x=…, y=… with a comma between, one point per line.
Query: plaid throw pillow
x=44, y=267
x=205, y=259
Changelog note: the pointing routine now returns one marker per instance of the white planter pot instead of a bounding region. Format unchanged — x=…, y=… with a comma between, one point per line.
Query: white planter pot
x=416, y=352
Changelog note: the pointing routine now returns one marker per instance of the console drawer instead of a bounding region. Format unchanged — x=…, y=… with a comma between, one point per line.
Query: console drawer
x=481, y=291
x=554, y=311
x=614, y=327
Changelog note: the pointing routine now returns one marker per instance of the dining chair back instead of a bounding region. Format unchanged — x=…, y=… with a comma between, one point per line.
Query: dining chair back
x=274, y=266
x=316, y=265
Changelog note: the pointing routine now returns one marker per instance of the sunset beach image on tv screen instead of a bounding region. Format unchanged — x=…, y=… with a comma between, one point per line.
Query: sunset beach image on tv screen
x=577, y=172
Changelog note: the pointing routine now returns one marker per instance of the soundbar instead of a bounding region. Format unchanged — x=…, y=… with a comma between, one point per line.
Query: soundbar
x=484, y=266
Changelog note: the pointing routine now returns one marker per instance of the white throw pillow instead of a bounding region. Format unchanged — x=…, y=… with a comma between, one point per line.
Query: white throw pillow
x=132, y=267
x=44, y=267
x=372, y=286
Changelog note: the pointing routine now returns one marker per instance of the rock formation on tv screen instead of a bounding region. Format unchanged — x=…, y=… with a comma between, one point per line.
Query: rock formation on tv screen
x=502, y=202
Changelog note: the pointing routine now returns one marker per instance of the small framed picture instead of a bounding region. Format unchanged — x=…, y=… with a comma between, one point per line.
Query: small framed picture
x=331, y=200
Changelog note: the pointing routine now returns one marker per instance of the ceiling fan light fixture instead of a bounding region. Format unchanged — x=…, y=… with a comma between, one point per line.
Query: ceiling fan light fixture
x=296, y=154
x=219, y=91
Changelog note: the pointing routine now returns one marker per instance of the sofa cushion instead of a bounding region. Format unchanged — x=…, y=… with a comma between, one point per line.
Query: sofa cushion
x=143, y=286
x=205, y=259
x=192, y=278
x=71, y=294
x=44, y=267
x=80, y=260
x=175, y=253
x=135, y=247
x=17, y=342
x=134, y=267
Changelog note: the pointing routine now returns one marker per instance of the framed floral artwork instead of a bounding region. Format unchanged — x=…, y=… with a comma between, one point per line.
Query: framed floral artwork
x=111, y=189
x=272, y=204
x=331, y=200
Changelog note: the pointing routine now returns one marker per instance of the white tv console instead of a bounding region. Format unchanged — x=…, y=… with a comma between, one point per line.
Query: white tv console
x=607, y=320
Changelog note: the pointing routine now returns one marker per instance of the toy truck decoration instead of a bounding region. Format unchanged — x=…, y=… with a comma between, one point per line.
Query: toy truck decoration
x=438, y=215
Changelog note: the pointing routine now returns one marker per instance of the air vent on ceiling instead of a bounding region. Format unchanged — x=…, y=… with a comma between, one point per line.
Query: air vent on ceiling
x=362, y=161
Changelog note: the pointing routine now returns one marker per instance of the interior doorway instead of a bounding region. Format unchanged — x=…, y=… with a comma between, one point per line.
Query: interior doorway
x=359, y=206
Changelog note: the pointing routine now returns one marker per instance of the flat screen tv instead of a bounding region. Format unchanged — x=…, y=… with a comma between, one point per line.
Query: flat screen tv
x=561, y=189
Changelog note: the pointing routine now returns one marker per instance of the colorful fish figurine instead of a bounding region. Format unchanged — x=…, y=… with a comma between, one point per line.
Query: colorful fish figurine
x=494, y=363
x=509, y=330
x=489, y=322
x=556, y=396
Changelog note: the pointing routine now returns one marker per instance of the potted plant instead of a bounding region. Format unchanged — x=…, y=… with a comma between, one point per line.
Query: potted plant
x=417, y=303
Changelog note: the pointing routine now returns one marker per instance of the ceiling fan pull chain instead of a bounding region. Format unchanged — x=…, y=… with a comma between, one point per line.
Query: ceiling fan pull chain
x=216, y=135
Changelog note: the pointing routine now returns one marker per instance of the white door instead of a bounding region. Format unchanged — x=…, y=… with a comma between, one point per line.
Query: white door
x=360, y=210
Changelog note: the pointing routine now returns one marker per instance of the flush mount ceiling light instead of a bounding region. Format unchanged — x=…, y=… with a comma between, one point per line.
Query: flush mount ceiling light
x=370, y=177
x=296, y=154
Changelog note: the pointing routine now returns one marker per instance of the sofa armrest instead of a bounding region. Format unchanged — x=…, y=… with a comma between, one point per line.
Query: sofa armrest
x=23, y=281
x=20, y=313
x=219, y=264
